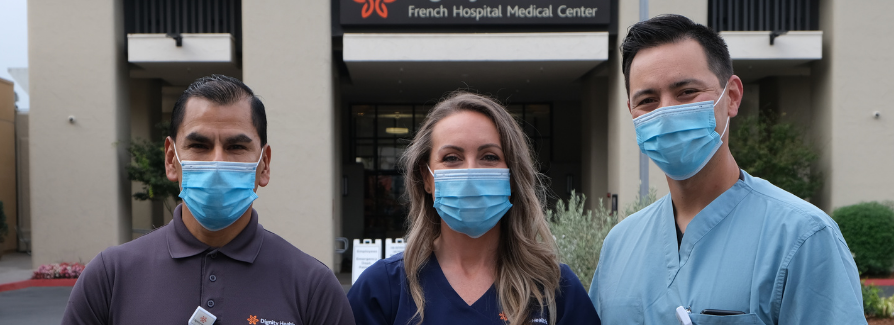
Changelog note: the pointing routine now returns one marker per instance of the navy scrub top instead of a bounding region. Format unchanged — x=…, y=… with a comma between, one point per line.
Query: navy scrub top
x=381, y=296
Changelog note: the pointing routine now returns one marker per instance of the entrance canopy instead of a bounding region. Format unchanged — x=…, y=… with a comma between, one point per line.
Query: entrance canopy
x=419, y=67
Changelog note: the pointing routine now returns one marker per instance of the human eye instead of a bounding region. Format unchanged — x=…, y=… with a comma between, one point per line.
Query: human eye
x=491, y=157
x=197, y=146
x=689, y=92
x=646, y=101
x=450, y=158
x=238, y=147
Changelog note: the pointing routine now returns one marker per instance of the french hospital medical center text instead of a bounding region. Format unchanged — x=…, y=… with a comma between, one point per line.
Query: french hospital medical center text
x=531, y=11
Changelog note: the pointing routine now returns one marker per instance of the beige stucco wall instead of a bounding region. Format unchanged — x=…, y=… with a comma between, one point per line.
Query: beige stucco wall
x=80, y=195
x=8, y=162
x=287, y=60
x=594, y=133
x=850, y=83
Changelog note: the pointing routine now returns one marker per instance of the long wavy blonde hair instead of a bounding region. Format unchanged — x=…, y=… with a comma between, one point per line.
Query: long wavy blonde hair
x=527, y=270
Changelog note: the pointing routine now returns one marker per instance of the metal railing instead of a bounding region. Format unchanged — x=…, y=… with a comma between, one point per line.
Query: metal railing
x=763, y=15
x=185, y=16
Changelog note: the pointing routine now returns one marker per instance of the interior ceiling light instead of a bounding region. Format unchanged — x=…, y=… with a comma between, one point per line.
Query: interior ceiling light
x=397, y=130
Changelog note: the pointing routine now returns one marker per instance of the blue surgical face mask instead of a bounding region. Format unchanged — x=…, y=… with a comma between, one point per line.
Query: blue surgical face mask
x=680, y=139
x=217, y=193
x=472, y=201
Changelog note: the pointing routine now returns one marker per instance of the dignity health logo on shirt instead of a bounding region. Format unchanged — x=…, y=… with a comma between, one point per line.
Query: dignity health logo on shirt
x=253, y=320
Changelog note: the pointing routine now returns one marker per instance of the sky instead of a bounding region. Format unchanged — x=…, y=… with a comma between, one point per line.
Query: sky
x=14, y=43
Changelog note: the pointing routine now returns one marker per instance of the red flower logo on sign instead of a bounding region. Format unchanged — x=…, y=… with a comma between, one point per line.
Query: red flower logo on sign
x=374, y=5
x=203, y=319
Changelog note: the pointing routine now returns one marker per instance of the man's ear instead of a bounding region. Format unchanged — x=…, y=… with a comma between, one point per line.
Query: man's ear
x=736, y=91
x=264, y=167
x=172, y=166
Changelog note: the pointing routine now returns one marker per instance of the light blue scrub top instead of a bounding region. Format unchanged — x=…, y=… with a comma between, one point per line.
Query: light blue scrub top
x=756, y=249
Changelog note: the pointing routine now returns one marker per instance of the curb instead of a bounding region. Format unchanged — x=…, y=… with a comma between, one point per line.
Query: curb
x=37, y=283
x=880, y=282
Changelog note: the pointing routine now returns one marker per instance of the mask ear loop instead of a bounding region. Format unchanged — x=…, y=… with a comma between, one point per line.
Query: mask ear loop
x=727, y=118
x=262, y=157
x=175, y=152
x=179, y=162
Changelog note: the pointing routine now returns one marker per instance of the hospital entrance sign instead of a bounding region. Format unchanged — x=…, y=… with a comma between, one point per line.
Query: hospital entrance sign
x=465, y=12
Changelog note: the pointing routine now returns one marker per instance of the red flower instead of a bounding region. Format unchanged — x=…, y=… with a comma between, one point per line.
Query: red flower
x=374, y=5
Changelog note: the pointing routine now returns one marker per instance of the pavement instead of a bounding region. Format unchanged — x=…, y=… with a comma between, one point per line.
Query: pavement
x=15, y=267
x=35, y=305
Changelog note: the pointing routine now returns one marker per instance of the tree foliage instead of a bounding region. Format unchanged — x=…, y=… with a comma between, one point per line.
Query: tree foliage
x=776, y=152
x=147, y=167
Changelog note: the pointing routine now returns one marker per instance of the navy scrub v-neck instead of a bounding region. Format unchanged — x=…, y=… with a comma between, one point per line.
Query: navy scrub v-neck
x=381, y=296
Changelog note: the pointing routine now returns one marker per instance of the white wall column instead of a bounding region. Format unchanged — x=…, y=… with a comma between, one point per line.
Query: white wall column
x=78, y=69
x=287, y=60
x=857, y=149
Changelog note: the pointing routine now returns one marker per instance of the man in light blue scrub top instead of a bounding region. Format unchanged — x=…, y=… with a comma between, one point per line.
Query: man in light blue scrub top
x=727, y=247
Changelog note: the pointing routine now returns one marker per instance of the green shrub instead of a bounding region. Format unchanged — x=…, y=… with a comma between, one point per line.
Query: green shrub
x=579, y=234
x=874, y=305
x=868, y=229
x=776, y=152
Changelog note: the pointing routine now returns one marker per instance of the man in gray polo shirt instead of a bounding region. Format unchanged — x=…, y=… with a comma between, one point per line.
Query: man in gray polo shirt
x=213, y=263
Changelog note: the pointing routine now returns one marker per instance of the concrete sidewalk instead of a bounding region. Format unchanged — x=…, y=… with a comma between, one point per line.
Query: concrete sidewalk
x=15, y=267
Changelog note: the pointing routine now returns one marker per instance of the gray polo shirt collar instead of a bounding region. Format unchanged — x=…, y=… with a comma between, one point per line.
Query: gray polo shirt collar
x=245, y=247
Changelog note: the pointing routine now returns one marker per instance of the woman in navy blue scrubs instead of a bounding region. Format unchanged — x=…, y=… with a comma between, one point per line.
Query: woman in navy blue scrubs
x=479, y=247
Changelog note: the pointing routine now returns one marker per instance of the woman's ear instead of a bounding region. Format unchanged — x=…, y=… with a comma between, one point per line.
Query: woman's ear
x=427, y=179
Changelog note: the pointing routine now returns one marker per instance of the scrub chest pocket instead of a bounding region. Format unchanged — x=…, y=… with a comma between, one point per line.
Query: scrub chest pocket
x=699, y=319
x=630, y=307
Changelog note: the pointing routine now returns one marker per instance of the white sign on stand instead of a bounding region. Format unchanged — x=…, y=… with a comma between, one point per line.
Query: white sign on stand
x=393, y=247
x=365, y=254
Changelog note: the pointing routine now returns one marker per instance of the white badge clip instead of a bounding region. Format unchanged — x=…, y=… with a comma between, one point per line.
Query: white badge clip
x=683, y=316
x=201, y=317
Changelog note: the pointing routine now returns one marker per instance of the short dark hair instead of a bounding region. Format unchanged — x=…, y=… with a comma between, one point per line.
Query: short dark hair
x=666, y=29
x=221, y=90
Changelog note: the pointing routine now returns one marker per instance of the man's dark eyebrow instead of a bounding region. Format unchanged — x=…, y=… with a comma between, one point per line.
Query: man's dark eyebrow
x=239, y=138
x=675, y=85
x=650, y=91
x=196, y=137
x=685, y=82
x=490, y=145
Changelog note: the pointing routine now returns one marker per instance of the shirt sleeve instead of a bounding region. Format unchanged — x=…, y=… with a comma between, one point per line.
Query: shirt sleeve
x=821, y=283
x=90, y=298
x=370, y=296
x=572, y=303
x=328, y=304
